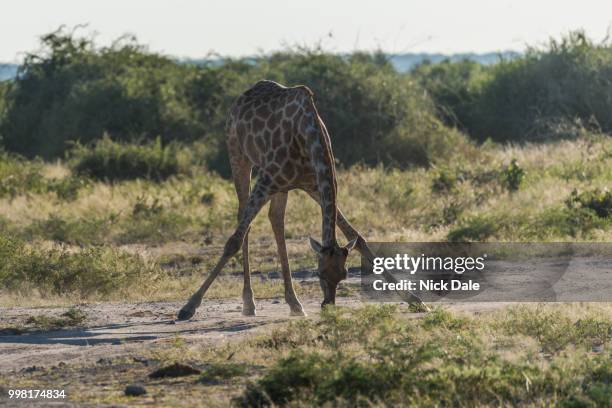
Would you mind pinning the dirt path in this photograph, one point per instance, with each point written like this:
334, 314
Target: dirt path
122, 329
127, 329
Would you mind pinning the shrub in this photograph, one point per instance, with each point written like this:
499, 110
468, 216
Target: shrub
599, 201
373, 114
69, 231
567, 80
549, 93
477, 228
455, 88
152, 222
19, 176
70, 318
512, 176
444, 181
413, 363
91, 271
214, 373
73, 90
115, 161
554, 330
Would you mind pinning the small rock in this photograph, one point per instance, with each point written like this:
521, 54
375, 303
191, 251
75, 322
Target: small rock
273, 275
134, 390
11, 331
141, 360
175, 370
275, 301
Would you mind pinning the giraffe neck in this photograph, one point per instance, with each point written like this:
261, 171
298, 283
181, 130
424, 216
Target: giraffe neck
323, 162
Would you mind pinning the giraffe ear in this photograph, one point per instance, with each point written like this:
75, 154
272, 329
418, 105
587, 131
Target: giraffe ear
315, 245
351, 245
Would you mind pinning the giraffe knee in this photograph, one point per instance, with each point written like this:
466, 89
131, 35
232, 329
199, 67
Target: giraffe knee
232, 245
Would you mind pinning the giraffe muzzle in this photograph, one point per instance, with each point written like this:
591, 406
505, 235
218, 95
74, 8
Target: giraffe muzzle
329, 293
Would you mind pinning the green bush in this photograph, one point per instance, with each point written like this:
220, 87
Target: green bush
373, 113
90, 271
151, 222
477, 228
19, 176
512, 176
548, 93
72, 90
69, 231
75, 91
455, 88
599, 201
554, 331
115, 161
441, 360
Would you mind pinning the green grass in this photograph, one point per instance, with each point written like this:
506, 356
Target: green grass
443, 359
114, 161
71, 318
94, 271
118, 234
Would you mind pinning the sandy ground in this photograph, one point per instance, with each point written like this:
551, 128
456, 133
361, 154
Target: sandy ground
125, 329
116, 329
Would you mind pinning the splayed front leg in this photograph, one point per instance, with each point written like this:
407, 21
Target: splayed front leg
256, 200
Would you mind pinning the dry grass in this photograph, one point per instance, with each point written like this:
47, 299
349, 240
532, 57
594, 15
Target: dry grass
488, 359
181, 224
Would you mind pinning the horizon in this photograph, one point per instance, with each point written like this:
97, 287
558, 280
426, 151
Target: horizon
234, 28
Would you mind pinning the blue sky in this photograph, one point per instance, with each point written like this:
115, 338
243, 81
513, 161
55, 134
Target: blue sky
190, 28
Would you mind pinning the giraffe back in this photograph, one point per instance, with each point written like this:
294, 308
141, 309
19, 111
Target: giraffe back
266, 130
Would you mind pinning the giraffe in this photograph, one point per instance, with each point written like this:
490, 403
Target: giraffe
278, 131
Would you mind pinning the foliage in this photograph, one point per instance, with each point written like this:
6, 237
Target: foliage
442, 359
476, 228
70, 318
456, 89
373, 114
93, 270
115, 161
551, 92
72, 90
19, 176
512, 176
599, 201
555, 331
75, 91
213, 373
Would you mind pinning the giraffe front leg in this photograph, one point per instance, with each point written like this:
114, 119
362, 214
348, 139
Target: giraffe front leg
257, 199
276, 215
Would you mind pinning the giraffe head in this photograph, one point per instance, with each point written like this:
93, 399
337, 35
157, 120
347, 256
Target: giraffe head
332, 267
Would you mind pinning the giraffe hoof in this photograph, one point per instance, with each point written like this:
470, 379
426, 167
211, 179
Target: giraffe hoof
249, 312
185, 314
296, 312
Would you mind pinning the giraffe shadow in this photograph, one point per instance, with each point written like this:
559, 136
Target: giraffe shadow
120, 333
